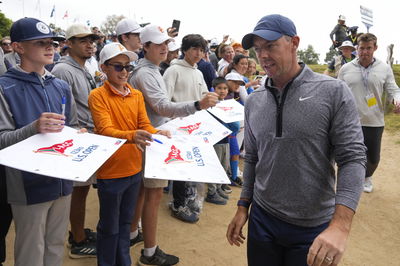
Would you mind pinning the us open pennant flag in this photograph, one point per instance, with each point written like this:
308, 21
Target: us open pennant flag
67, 155
183, 158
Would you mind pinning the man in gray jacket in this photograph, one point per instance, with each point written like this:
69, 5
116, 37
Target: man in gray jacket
297, 124
72, 69
369, 78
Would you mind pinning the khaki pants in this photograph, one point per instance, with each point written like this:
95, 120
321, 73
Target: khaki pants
40, 232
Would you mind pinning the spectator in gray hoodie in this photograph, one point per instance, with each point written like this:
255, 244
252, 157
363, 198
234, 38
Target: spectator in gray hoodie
72, 69
147, 78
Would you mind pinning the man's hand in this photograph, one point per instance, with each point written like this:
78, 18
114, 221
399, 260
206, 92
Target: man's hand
50, 123
328, 247
234, 233
396, 107
172, 32
209, 100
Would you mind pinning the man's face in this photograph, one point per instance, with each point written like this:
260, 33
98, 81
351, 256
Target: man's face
222, 90
157, 53
275, 57
193, 55
81, 47
6, 46
117, 78
132, 40
39, 52
228, 54
365, 51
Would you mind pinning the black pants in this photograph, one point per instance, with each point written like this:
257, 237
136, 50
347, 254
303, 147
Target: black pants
5, 214
273, 242
179, 193
372, 139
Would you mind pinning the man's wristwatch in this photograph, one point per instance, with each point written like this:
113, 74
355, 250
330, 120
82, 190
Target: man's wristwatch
197, 105
244, 203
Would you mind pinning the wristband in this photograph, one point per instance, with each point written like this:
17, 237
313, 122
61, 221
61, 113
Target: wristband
244, 203
197, 105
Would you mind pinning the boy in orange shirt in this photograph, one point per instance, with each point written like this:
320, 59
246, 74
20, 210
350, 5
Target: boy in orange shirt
118, 111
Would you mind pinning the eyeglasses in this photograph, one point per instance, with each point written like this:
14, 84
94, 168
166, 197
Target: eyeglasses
6, 43
119, 68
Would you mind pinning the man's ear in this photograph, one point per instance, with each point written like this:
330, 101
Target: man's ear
296, 41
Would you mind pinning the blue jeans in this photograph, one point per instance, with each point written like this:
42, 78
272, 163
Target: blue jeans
117, 199
272, 242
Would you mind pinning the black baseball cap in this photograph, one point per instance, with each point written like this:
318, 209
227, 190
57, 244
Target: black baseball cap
26, 29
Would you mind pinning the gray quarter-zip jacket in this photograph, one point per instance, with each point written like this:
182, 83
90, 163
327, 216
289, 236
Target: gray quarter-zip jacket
146, 78
292, 144
77, 77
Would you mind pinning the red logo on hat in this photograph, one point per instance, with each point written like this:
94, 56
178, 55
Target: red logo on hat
56, 149
190, 128
174, 156
161, 29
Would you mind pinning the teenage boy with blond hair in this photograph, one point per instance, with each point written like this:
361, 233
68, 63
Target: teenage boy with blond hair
31, 101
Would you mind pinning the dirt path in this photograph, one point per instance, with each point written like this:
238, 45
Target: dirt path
374, 240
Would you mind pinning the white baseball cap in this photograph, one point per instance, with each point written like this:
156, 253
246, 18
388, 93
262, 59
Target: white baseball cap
173, 46
341, 17
154, 34
113, 49
79, 31
234, 77
127, 25
347, 44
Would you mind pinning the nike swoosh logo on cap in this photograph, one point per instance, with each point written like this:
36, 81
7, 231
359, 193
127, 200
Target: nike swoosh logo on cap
305, 98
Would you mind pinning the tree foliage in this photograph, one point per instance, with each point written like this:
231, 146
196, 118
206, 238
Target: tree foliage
330, 55
308, 56
5, 25
108, 26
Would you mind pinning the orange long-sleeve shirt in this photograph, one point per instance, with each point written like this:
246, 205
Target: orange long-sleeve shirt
119, 116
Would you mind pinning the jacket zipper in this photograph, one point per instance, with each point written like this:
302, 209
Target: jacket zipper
49, 110
279, 108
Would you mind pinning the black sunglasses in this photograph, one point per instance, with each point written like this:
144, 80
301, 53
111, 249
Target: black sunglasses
119, 68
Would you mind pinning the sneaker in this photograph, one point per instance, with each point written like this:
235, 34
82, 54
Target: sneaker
368, 185
84, 249
137, 240
158, 258
184, 214
215, 199
237, 182
222, 193
91, 236
225, 188
193, 205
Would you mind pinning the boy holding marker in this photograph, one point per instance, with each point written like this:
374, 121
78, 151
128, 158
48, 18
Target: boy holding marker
33, 101
118, 111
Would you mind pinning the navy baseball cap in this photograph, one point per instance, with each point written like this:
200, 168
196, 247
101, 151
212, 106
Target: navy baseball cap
270, 28
26, 29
